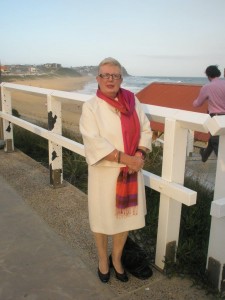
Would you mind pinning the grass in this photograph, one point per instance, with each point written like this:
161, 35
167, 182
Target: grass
74, 165
75, 169
191, 253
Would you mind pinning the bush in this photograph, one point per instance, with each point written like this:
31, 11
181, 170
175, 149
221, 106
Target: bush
15, 113
75, 169
31, 144
74, 165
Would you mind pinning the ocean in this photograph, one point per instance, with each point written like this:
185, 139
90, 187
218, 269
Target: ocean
137, 83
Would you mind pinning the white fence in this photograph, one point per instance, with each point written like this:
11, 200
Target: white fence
173, 194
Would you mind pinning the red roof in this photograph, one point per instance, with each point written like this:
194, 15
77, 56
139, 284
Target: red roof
173, 95
3, 68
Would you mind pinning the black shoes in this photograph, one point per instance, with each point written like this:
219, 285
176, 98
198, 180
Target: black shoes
103, 277
120, 276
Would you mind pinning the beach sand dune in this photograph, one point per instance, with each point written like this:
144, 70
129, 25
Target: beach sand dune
33, 108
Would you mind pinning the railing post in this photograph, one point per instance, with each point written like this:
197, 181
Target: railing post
1, 121
2, 143
55, 151
216, 250
7, 126
173, 168
190, 143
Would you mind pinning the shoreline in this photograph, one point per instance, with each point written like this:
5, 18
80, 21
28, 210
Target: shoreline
33, 108
65, 83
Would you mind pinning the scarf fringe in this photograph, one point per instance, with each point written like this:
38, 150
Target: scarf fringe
127, 212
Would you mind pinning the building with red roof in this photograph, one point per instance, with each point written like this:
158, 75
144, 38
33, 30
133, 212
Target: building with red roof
173, 95
4, 69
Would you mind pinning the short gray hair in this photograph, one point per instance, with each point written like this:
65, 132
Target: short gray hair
110, 61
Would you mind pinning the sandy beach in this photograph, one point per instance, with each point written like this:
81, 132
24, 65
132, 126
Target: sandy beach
57, 83
33, 108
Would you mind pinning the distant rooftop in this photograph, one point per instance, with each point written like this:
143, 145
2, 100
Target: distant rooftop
173, 95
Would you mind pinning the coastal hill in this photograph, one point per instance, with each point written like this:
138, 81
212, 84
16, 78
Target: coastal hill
49, 70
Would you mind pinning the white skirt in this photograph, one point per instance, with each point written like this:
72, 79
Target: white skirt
102, 202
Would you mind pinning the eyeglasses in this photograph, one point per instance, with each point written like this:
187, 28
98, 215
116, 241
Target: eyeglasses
107, 76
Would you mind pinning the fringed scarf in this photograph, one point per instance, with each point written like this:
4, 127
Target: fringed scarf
127, 187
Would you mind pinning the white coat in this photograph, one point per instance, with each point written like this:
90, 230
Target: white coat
100, 127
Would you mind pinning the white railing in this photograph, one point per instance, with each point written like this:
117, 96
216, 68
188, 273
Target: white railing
173, 194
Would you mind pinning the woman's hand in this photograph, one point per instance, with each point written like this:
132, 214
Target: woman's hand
135, 163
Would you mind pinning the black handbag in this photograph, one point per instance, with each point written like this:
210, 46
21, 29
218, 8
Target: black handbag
134, 260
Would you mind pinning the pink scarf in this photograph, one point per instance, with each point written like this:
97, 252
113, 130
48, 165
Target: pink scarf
126, 191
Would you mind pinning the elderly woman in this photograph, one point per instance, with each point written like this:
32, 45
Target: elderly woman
116, 135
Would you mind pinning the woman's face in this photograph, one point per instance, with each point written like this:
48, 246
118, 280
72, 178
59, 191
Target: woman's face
109, 86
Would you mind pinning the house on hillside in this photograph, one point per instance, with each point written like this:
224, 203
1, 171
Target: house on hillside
4, 69
172, 95
52, 66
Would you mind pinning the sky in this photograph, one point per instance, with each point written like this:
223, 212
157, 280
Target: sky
148, 37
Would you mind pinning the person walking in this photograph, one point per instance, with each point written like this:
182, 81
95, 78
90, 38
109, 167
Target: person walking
116, 135
214, 93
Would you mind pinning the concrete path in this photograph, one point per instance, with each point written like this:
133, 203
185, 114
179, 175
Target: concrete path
35, 262
205, 173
